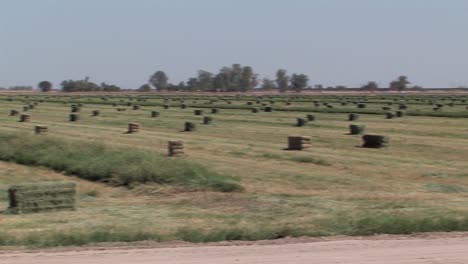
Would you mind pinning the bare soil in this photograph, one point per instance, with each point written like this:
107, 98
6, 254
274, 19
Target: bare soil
428, 248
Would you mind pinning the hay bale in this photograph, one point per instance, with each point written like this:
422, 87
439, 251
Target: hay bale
133, 128
301, 122
390, 115
14, 112
403, 107
356, 129
166, 106
254, 110
215, 111
96, 113
375, 141
198, 112
74, 117
189, 127
269, 109
25, 108
39, 129
353, 117
207, 120
400, 114
362, 106
175, 147
75, 109
298, 143
41, 197
121, 109
25, 118
136, 107
155, 114
183, 106
311, 117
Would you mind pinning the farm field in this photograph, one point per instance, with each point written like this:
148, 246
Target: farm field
419, 183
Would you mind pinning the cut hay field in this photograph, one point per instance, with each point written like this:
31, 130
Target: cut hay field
419, 183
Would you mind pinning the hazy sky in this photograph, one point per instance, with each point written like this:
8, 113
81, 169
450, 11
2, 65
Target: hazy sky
335, 42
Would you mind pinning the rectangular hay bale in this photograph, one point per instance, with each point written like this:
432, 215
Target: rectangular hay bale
41, 197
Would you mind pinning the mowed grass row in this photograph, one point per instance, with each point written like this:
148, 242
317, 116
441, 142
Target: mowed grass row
419, 183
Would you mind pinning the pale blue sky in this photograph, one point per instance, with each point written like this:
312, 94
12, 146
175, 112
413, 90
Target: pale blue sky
335, 42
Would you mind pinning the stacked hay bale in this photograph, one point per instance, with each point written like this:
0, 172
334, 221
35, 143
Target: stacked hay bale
175, 147
39, 129
375, 141
269, 109
298, 143
166, 106
207, 120
25, 118
14, 112
198, 112
75, 108
96, 113
189, 127
356, 129
74, 117
25, 108
215, 111
390, 115
155, 114
353, 117
311, 117
362, 106
133, 128
136, 107
41, 197
301, 122
254, 110
400, 114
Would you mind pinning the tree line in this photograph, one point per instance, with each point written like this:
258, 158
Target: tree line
234, 78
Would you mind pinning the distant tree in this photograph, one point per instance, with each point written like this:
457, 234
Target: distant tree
235, 74
205, 81
400, 84
318, 86
144, 88
370, 86
248, 80
45, 86
79, 86
159, 80
220, 82
192, 84
268, 84
299, 82
109, 87
181, 86
282, 80
20, 88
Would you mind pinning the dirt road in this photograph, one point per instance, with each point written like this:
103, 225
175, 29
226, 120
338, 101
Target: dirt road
445, 249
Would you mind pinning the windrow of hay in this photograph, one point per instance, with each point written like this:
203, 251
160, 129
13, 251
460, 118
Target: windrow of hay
95, 161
